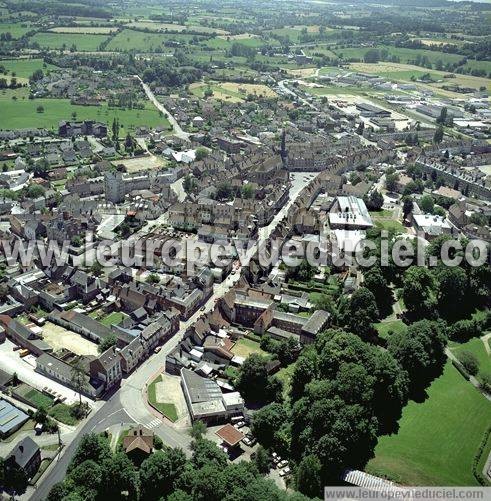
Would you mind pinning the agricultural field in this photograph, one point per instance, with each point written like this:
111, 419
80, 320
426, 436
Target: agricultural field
128, 40
91, 30
82, 42
232, 92
226, 42
22, 112
437, 438
17, 30
24, 68
156, 26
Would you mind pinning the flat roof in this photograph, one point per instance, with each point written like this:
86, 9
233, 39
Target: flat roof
10, 417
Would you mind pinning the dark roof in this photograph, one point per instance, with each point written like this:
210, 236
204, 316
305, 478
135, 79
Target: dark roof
24, 451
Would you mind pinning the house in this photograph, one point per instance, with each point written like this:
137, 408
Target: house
431, 226
349, 213
26, 455
230, 436
316, 323
138, 444
107, 368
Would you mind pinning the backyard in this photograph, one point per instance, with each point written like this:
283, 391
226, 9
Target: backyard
245, 347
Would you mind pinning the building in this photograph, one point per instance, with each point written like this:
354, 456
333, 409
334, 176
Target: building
11, 418
431, 226
85, 128
368, 110
107, 368
205, 399
26, 455
230, 436
349, 213
138, 444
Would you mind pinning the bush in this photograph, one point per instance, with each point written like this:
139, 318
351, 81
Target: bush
485, 382
469, 362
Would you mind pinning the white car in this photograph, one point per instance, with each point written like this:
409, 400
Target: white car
285, 472
283, 463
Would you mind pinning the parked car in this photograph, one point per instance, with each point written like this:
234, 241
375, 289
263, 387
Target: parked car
285, 472
283, 463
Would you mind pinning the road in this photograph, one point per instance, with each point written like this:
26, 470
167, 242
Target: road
129, 404
177, 128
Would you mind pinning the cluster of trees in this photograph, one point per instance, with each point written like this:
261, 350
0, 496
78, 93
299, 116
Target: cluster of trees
97, 473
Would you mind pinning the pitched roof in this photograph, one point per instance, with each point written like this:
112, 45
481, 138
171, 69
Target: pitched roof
230, 435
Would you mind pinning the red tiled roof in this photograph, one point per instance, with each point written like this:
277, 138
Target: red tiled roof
230, 435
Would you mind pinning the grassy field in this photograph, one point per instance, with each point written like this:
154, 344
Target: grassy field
438, 438
128, 40
22, 113
91, 30
385, 328
232, 92
34, 396
476, 347
63, 414
116, 317
167, 409
17, 30
245, 347
82, 42
24, 68
225, 42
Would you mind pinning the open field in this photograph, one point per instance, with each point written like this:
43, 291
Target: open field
165, 395
17, 30
67, 40
245, 347
385, 329
128, 40
24, 68
156, 26
232, 92
476, 347
225, 42
438, 438
22, 113
91, 30
142, 163
59, 337
404, 72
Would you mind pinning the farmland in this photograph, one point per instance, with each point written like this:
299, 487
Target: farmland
232, 92
81, 42
128, 40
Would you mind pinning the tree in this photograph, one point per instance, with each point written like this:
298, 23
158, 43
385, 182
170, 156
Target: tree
115, 132
376, 283
40, 109
452, 291
308, 477
438, 136
420, 351
267, 422
485, 382
372, 56
375, 201
198, 429
427, 204
35, 191
87, 474
254, 383
159, 472
96, 268
120, 476
306, 369
360, 312
207, 452
201, 153
107, 343
261, 460
224, 191
92, 447
391, 180
407, 206
469, 361
188, 184
442, 119
78, 378
152, 278
418, 293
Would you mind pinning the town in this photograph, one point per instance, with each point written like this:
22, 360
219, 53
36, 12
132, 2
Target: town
203, 209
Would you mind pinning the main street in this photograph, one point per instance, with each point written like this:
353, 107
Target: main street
129, 404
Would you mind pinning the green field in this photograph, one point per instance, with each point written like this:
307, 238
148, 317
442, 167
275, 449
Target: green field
245, 347
475, 346
82, 42
24, 68
35, 397
385, 328
116, 317
128, 40
63, 414
226, 43
17, 30
438, 438
21, 113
